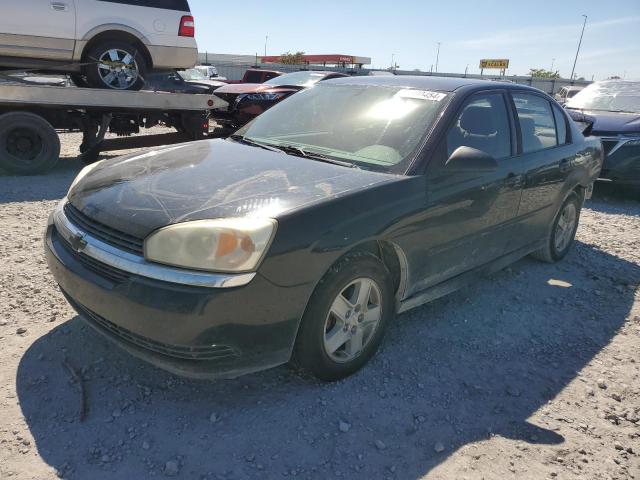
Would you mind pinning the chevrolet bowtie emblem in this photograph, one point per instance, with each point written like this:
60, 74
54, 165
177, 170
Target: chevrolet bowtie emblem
77, 242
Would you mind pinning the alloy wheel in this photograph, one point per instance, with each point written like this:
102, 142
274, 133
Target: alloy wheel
565, 227
352, 320
118, 69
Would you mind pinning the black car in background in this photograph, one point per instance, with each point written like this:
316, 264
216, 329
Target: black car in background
190, 80
300, 237
611, 110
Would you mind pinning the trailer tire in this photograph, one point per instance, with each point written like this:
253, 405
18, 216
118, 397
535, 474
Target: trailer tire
28, 143
106, 78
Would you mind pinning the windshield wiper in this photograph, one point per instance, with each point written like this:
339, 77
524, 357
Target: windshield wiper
248, 141
291, 150
301, 152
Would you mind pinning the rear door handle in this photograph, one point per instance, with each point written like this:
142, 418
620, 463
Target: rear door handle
59, 6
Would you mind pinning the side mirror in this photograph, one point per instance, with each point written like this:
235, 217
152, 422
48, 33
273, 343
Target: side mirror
469, 159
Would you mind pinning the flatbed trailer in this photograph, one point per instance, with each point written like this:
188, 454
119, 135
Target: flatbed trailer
32, 116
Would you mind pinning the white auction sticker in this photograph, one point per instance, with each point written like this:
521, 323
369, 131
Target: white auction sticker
421, 94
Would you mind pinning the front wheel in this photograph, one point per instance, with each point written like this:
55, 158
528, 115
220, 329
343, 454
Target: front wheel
115, 65
346, 318
562, 231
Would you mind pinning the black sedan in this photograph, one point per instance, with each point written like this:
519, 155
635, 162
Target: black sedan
611, 110
301, 237
182, 81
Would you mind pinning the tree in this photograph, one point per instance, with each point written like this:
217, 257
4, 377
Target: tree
542, 73
289, 58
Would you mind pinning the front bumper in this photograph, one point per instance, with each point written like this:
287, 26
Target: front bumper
622, 162
194, 331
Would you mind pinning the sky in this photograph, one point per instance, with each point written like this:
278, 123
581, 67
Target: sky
535, 34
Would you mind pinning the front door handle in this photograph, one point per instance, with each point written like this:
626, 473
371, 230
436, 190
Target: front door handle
565, 165
59, 6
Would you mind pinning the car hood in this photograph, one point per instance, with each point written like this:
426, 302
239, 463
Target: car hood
139, 193
612, 123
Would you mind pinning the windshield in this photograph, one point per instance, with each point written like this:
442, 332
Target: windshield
608, 96
192, 74
302, 79
372, 127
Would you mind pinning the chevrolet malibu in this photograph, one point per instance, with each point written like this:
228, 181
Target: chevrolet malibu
299, 238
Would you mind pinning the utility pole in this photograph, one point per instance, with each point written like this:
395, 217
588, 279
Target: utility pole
553, 60
266, 39
437, 57
393, 62
579, 44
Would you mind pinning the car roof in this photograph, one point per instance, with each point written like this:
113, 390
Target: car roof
427, 82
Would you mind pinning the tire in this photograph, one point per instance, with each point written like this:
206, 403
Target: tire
28, 143
556, 247
116, 78
320, 327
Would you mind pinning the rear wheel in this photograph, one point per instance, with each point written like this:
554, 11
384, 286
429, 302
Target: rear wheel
345, 319
115, 65
28, 143
562, 231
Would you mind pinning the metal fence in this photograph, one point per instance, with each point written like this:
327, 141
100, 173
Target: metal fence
235, 71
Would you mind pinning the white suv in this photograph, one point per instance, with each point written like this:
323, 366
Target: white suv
101, 43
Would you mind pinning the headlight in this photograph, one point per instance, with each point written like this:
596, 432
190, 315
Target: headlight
82, 174
220, 245
263, 96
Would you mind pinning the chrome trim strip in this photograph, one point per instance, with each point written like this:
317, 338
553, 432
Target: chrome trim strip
137, 265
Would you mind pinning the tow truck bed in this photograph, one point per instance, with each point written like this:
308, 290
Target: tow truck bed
31, 116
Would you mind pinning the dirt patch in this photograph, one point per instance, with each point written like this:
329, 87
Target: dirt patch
531, 373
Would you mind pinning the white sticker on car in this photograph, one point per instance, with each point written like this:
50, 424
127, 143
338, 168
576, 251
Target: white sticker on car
421, 94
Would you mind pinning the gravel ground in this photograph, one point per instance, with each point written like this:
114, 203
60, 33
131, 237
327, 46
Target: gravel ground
531, 373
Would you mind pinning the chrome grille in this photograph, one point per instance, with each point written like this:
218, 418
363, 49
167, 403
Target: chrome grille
106, 234
114, 274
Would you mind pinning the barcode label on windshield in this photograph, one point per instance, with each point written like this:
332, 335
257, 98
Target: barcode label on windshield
421, 94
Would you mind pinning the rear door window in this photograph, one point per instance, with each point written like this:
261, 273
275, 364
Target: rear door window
561, 125
179, 5
537, 125
482, 124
